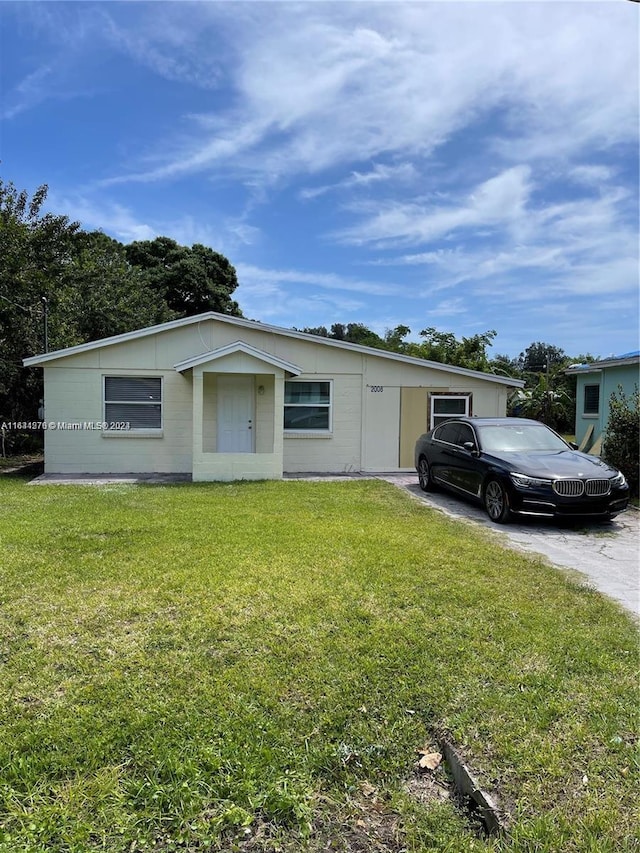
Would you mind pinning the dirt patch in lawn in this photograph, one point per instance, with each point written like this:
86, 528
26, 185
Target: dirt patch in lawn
365, 825
29, 465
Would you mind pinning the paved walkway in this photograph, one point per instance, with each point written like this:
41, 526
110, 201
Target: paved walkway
607, 553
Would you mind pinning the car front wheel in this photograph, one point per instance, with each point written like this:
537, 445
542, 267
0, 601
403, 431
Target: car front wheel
496, 502
424, 475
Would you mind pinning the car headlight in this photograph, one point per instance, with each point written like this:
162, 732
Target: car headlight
523, 481
619, 481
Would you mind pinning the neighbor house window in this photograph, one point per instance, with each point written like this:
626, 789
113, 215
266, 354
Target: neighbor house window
307, 406
591, 399
446, 406
136, 400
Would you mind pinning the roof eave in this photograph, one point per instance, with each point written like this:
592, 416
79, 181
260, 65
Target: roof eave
599, 366
37, 360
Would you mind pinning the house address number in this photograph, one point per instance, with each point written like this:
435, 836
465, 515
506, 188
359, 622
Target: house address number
376, 389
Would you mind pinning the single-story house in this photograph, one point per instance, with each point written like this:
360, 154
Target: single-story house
223, 398
595, 383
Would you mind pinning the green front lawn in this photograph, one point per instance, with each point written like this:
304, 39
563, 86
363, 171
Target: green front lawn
253, 667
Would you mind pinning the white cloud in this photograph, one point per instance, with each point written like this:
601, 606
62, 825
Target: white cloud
121, 222
500, 200
448, 308
490, 139
29, 92
167, 44
402, 173
273, 296
317, 87
113, 218
263, 277
591, 174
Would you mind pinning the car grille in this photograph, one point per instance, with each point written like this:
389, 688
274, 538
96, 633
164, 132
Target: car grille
575, 488
598, 488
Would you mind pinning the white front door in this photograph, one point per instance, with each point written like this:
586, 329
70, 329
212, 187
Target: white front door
235, 414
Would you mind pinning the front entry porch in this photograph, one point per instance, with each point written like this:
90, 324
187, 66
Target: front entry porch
238, 406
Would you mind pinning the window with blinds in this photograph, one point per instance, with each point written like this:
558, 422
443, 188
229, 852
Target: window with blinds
136, 400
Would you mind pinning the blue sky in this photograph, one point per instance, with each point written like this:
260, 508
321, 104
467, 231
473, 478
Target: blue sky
463, 165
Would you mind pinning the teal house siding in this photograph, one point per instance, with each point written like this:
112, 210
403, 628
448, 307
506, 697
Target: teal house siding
595, 383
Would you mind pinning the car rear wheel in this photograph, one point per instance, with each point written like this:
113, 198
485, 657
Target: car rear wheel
424, 475
496, 502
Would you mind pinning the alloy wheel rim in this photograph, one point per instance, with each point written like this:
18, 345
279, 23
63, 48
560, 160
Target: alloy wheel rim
495, 500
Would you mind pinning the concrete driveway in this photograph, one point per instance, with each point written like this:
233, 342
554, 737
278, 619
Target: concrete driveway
606, 553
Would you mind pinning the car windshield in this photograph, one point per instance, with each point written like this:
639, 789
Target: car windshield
519, 438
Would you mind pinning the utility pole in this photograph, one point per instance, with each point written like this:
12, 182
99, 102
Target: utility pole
547, 397
45, 304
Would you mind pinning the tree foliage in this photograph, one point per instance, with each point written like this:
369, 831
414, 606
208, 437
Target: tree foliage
85, 286
549, 402
540, 357
188, 280
438, 346
621, 445
352, 333
549, 394
101, 294
467, 352
35, 251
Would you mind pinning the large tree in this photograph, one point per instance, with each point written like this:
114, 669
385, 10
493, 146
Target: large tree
189, 280
541, 357
549, 394
35, 251
101, 294
353, 333
61, 286
446, 348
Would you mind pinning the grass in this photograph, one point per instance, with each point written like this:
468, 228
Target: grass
253, 667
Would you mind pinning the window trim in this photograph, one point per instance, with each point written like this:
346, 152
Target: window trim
590, 414
133, 432
324, 432
467, 396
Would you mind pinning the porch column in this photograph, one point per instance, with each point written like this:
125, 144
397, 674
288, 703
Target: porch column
197, 420
278, 418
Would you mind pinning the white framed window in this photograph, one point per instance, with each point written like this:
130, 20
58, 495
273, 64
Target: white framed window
444, 407
307, 405
133, 400
591, 401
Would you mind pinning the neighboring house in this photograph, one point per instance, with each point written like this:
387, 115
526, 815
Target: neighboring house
223, 398
596, 382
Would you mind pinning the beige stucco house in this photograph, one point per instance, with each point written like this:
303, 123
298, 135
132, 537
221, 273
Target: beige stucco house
223, 398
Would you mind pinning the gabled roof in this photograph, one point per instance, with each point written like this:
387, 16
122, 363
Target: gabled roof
276, 330
230, 349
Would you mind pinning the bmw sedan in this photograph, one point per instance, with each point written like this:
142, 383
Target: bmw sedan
518, 466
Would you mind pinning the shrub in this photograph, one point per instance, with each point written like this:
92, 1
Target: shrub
621, 446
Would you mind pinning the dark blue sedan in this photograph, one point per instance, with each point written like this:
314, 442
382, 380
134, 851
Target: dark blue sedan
518, 466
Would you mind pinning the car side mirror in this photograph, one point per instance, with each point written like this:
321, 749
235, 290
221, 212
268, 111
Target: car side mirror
471, 447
